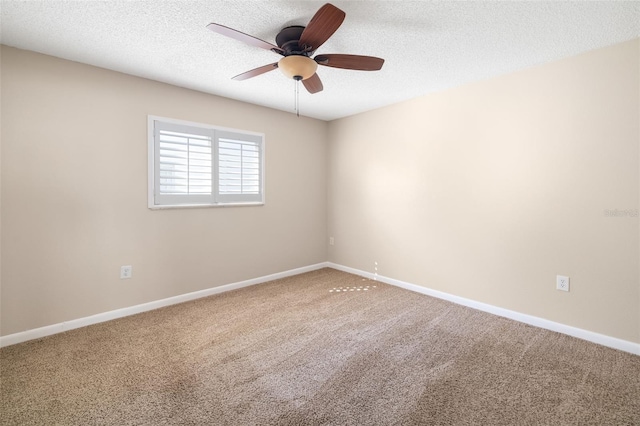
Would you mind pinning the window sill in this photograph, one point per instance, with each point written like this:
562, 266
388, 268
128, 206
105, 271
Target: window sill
201, 206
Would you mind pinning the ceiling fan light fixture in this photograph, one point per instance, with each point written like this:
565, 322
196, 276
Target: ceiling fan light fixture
297, 67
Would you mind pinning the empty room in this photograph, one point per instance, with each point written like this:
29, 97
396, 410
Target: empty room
308, 213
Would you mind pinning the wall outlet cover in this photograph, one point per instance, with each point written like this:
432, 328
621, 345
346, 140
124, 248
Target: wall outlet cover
562, 283
126, 272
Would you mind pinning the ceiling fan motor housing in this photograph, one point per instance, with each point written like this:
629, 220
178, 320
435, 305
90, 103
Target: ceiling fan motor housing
296, 63
287, 39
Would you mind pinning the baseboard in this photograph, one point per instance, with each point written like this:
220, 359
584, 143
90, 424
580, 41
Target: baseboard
36, 333
590, 336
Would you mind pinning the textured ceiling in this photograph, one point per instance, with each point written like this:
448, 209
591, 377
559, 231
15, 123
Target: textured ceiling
428, 46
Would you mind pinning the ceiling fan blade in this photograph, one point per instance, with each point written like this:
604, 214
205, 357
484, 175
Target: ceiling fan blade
246, 38
350, 62
323, 24
313, 84
256, 72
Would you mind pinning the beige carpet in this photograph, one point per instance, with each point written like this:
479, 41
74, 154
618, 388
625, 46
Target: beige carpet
298, 352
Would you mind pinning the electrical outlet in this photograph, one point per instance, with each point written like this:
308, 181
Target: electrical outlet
562, 283
330, 241
126, 272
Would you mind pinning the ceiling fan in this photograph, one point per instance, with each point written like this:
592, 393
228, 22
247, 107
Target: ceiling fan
297, 44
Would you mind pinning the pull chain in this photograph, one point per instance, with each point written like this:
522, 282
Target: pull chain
297, 95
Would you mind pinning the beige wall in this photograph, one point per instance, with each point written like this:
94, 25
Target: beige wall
486, 191
490, 190
74, 195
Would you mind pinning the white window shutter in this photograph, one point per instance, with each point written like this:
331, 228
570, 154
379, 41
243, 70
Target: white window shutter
195, 164
184, 164
239, 167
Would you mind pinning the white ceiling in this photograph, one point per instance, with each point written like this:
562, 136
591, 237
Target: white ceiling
428, 45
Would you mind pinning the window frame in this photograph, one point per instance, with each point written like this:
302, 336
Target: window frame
215, 199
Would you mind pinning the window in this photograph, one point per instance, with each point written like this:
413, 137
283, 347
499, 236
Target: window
194, 164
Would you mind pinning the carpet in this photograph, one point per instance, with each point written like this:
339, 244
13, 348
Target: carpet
320, 348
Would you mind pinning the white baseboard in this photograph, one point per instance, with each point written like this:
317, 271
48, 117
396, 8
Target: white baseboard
36, 333
590, 336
